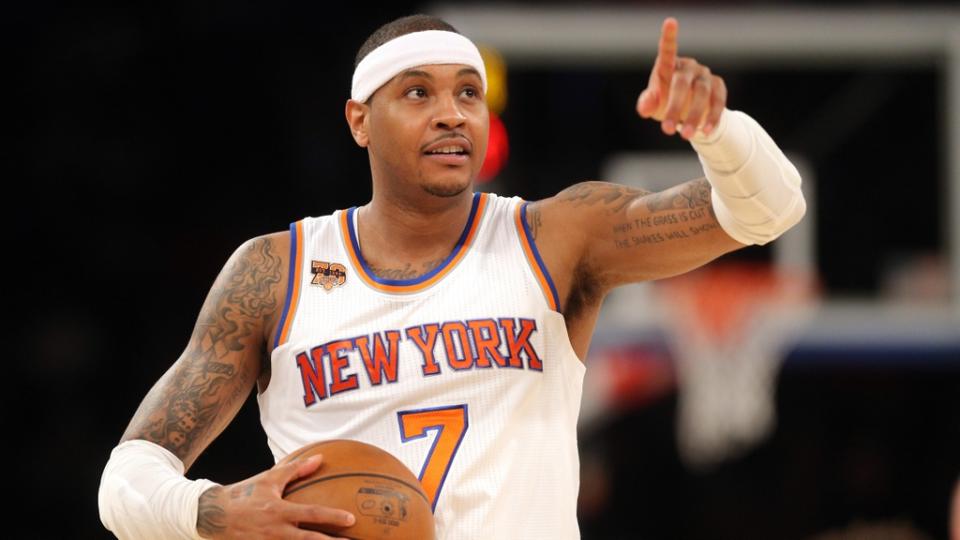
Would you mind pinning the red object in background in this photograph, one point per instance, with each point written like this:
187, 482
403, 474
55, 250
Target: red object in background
640, 375
497, 150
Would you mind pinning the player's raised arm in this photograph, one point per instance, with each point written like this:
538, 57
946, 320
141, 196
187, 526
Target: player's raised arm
751, 193
143, 493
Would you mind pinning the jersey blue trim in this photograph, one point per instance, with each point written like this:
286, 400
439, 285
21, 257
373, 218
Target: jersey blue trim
290, 283
417, 280
536, 255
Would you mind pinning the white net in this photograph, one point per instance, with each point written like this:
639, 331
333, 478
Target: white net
728, 325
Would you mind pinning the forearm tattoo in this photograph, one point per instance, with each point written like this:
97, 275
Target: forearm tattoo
185, 407
210, 515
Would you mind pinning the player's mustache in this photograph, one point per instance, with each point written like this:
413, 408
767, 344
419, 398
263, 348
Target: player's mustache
451, 135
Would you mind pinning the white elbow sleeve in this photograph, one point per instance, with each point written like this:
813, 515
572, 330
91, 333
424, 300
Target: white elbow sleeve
756, 190
144, 495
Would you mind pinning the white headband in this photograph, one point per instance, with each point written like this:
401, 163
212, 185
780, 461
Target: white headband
411, 50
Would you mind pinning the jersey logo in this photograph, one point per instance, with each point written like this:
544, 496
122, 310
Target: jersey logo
328, 275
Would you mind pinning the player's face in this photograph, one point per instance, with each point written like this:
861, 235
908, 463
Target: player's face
428, 126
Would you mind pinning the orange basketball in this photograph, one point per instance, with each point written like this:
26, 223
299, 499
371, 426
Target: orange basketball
369, 482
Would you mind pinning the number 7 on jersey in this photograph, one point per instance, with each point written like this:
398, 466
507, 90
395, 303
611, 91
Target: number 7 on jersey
450, 423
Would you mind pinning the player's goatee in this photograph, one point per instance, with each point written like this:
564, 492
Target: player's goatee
451, 190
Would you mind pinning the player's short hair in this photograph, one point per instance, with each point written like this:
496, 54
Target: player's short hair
401, 27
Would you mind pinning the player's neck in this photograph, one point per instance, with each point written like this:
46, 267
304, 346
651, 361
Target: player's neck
393, 232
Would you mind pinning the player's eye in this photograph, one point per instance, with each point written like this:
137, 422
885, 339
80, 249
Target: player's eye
470, 92
416, 92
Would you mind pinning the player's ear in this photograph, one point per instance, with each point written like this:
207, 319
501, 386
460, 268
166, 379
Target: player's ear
356, 113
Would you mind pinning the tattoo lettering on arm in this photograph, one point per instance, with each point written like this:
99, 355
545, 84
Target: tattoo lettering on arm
678, 213
611, 235
198, 397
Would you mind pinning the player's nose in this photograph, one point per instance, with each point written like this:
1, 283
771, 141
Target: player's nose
448, 115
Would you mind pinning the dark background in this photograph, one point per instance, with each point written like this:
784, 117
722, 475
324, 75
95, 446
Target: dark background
150, 141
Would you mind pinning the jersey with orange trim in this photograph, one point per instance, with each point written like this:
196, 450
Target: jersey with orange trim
466, 374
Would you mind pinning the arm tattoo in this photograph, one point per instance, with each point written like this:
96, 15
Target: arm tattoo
678, 213
692, 194
186, 406
210, 514
533, 220
615, 196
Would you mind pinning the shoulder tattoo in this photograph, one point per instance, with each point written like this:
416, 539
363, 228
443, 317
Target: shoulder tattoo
185, 406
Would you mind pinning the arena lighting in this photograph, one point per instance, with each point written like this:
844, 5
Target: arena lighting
497, 150
496, 79
497, 143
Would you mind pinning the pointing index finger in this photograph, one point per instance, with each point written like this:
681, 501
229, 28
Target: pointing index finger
667, 49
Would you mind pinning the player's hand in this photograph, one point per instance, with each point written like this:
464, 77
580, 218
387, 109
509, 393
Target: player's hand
254, 508
682, 94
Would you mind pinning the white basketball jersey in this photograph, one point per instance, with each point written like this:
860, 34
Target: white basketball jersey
466, 374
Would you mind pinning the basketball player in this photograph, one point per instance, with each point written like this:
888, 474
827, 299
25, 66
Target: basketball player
446, 326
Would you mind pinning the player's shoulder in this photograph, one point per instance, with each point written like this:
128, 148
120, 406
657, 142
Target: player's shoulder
262, 259
273, 246
260, 273
277, 239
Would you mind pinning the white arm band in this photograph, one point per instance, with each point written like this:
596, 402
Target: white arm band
756, 190
144, 495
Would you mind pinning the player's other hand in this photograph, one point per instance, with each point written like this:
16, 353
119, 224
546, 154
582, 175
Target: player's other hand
255, 508
683, 95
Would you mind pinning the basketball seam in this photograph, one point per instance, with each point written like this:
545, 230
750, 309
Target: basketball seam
325, 478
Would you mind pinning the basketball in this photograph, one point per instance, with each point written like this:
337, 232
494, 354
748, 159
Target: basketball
369, 482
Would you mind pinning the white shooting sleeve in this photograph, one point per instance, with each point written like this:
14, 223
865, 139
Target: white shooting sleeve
144, 495
756, 190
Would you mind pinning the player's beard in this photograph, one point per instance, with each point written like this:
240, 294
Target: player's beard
445, 190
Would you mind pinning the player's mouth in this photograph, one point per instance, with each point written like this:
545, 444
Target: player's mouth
449, 151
